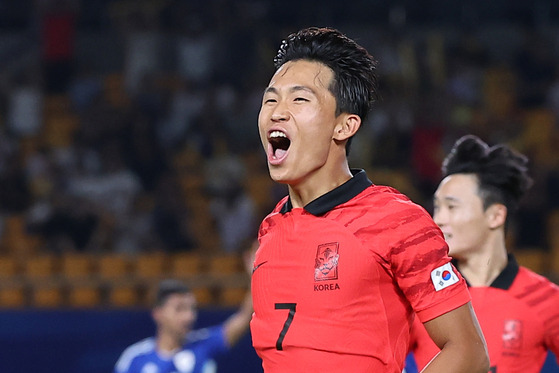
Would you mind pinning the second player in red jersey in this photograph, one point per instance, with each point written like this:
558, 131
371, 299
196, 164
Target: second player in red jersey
518, 309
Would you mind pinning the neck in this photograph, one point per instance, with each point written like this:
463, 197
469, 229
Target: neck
167, 344
321, 183
484, 266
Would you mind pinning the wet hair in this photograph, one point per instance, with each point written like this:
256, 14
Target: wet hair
355, 82
167, 288
502, 172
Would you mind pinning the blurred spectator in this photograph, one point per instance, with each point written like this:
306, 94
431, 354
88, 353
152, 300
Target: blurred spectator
231, 206
144, 156
142, 48
84, 88
535, 68
114, 188
195, 50
188, 77
58, 33
66, 223
171, 218
552, 99
15, 196
187, 103
134, 233
25, 106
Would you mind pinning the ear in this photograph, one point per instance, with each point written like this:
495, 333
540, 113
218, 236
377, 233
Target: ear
347, 126
496, 215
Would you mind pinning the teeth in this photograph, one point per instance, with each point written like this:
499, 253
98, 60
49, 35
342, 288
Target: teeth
275, 134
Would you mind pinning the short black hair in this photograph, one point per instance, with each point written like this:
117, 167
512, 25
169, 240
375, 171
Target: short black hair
355, 82
169, 287
502, 172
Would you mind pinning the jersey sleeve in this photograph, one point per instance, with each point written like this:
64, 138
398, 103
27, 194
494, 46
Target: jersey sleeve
211, 340
422, 267
551, 319
125, 363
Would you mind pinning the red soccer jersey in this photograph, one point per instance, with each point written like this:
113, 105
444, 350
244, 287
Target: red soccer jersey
335, 285
519, 317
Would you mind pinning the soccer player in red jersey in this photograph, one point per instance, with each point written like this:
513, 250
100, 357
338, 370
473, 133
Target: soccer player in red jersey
518, 310
343, 264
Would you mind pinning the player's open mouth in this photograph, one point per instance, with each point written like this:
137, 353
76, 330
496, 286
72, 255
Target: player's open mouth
279, 145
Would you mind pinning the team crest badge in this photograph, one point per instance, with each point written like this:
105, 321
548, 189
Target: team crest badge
512, 334
326, 262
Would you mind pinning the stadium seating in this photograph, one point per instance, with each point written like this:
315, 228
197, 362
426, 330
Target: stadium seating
13, 295
84, 295
77, 266
124, 295
9, 267
47, 295
150, 266
41, 267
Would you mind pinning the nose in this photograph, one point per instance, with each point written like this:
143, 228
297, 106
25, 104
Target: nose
439, 217
280, 113
189, 316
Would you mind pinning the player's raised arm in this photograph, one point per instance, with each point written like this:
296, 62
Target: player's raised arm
238, 323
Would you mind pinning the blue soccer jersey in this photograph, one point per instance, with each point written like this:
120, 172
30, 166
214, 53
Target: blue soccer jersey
196, 355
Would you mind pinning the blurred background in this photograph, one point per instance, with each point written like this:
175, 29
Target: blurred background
129, 150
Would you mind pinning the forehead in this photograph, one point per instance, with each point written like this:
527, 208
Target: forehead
303, 73
174, 300
458, 186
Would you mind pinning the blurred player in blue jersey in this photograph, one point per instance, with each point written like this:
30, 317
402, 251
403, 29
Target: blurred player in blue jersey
176, 347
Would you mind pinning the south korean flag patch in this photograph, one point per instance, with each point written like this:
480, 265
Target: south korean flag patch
443, 277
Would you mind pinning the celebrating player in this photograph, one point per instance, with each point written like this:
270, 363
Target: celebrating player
518, 310
343, 264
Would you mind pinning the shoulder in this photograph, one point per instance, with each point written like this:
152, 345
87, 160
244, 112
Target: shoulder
535, 288
134, 351
203, 334
391, 209
381, 195
530, 278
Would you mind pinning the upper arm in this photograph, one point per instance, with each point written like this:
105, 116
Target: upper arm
458, 335
238, 323
457, 326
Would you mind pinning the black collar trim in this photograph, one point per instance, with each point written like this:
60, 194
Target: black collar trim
506, 277
345, 192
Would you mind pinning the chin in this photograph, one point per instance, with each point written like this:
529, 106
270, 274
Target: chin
278, 177
456, 254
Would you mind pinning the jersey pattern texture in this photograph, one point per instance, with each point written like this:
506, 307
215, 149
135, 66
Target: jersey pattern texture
336, 284
519, 317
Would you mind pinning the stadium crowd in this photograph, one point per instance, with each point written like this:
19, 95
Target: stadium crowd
131, 126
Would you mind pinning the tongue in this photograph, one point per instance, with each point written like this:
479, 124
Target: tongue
279, 153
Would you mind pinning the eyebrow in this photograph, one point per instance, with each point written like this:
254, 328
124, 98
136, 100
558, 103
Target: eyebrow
291, 89
447, 198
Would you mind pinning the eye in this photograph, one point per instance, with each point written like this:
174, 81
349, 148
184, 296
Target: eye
301, 99
269, 100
